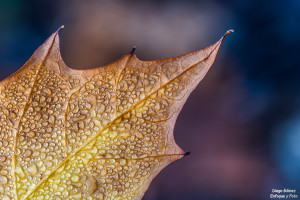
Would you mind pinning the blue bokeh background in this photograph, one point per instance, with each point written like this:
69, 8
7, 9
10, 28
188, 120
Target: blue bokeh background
242, 123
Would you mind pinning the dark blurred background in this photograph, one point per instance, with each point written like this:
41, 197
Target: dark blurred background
242, 123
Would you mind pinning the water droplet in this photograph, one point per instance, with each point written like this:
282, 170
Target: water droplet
32, 170
3, 180
27, 153
5, 197
122, 162
30, 134
75, 178
2, 159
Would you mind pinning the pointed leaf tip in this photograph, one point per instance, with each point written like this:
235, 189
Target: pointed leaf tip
227, 32
62, 26
230, 31
133, 49
187, 153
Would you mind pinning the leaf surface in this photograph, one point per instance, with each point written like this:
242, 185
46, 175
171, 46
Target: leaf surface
102, 133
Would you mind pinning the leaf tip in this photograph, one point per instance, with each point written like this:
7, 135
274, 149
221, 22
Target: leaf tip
228, 32
62, 26
187, 153
133, 49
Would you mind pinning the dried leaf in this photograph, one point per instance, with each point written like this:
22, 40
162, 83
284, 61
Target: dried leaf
103, 133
